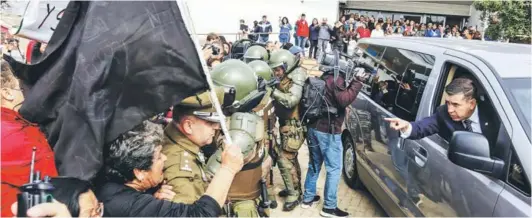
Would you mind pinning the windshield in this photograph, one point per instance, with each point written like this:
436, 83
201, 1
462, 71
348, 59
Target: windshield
520, 95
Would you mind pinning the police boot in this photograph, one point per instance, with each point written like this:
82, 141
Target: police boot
271, 197
283, 193
289, 206
273, 204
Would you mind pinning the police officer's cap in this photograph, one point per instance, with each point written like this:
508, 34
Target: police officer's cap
201, 106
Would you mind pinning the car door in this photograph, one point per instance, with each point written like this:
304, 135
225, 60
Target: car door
379, 147
439, 187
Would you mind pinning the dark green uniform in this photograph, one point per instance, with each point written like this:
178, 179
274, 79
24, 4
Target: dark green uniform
287, 96
185, 168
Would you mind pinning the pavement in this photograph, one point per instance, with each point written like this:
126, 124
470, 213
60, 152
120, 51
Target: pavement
358, 203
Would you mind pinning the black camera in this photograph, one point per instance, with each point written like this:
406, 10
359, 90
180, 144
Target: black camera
35, 192
330, 63
215, 50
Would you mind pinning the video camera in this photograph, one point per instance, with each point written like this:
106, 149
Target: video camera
347, 67
35, 192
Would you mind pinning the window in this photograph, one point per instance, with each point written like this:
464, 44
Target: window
520, 92
407, 74
400, 79
516, 175
435, 19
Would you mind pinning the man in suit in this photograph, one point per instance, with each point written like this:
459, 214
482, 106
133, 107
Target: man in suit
460, 113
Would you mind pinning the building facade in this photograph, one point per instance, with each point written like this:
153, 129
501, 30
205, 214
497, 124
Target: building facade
439, 12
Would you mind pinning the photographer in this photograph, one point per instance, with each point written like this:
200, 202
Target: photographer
213, 50
325, 144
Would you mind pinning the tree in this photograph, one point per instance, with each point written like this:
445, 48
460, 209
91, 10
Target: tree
509, 20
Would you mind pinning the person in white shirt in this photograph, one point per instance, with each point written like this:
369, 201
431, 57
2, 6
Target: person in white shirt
377, 32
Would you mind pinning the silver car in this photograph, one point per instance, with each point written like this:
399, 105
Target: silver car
473, 174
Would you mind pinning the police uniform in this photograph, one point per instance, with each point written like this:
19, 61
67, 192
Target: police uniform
184, 168
287, 96
246, 129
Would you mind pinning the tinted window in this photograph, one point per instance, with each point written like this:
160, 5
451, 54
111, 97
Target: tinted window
516, 176
520, 92
400, 80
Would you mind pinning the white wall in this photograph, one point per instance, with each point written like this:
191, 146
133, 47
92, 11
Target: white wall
222, 16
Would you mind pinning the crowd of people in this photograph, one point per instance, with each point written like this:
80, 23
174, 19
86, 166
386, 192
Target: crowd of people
177, 163
318, 34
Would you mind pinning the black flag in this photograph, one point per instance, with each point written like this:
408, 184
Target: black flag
108, 67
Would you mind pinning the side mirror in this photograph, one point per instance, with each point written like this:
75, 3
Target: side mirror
472, 151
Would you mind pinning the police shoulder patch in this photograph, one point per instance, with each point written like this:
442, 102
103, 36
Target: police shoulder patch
186, 161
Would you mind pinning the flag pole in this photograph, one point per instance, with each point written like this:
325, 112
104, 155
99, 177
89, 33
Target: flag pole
187, 19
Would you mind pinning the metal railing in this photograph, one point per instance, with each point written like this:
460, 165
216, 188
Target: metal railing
274, 36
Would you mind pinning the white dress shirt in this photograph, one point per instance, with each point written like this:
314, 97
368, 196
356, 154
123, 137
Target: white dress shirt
475, 125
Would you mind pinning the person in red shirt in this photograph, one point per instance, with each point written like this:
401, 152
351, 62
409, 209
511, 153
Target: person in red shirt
19, 136
302, 32
363, 32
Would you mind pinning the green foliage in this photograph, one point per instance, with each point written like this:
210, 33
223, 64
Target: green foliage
513, 19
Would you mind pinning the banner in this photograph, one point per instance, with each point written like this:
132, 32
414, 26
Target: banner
40, 20
109, 66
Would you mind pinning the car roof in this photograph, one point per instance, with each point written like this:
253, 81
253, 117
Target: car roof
509, 60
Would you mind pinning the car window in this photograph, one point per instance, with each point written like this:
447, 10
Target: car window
516, 176
520, 92
400, 80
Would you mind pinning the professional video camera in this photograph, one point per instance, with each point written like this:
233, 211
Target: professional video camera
35, 192
331, 63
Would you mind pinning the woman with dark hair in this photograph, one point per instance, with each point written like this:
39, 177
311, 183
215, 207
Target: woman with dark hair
284, 33
226, 46
314, 32
134, 166
339, 37
78, 196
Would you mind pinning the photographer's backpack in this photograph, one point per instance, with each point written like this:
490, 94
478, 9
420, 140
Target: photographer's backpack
314, 103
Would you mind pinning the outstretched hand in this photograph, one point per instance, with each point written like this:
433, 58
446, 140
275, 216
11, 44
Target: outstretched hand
398, 124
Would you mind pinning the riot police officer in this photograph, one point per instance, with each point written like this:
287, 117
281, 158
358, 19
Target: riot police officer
265, 109
287, 95
247, 131
256, 52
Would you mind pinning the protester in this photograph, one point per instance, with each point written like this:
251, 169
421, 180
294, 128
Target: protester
265, 29
324, 36
377, 32
421, 31
244, 29
254, 32
314, 33
397, 33
134, 166
54, 209
363, 32
19, 137
78, 196
338, 39
285, 27
302, 32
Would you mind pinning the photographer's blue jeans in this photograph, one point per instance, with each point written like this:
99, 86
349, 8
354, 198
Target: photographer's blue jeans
324, 147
